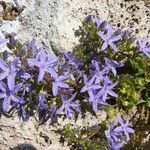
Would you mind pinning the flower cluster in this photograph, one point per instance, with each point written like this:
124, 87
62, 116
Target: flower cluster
64, 80
117, 136
37, 82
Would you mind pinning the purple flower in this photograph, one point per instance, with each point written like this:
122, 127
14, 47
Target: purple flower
42, 107
8, 71
88, 19
22, 113
143, 47
31, 46
68, 105
44, 62
98, 74
99, 22
112, 65
115, 134
23, 74
109, 38
72, 60
107, 89
58, 83
12, 40
26, 89
26, 75
53, 115
117, 146
8, 94
5, 55
89, 85
3, 40
96, 100
124, 127
111, 135
42, 101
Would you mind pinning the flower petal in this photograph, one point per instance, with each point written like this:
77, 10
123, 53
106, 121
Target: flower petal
54, 89
41, 75
104, 46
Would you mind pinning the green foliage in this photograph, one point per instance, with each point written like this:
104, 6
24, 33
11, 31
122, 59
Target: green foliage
89, 42
134, 83
86, 138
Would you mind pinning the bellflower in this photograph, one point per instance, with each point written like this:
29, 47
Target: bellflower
89, 85
26, 89
68, 105
42, 102
113, 140
143, 47
73, 60
96, 100
98, 74
109, 39
124, 127
115, 134
8, 94
111, 135
107, 89
112, 65
9, 72
44, 62
58, 83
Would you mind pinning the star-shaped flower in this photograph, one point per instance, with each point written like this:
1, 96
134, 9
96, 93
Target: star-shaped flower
9, 71
89, 84
42, 107
107, 89
111, 135
112, 65
98, 73
109, 38
124, 127
96, 100
68, 106
44, 62
8, 94
143, 46
58, 83
71, 59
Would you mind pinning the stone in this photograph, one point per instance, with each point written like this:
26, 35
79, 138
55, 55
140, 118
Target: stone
54, 22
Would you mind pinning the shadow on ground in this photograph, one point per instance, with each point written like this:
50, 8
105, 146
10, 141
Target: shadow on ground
24, 147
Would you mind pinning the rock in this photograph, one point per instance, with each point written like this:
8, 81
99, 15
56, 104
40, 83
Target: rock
54, 22
15, 134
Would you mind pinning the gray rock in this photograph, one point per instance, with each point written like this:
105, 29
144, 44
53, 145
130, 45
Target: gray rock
54, 21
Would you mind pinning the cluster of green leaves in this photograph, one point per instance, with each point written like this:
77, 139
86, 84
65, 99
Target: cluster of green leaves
134, 81
86, 138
